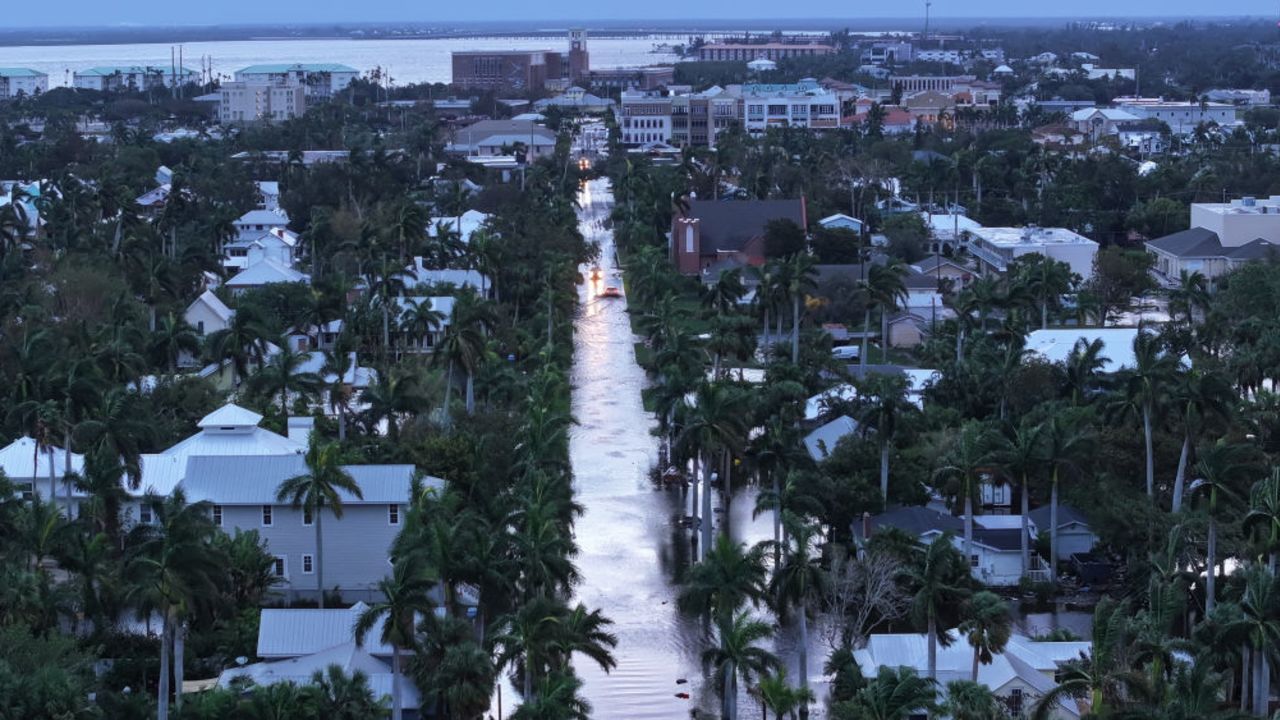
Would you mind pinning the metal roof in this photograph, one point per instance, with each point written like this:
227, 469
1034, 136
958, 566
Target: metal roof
264, 273
263, 217
276, 68
821, 442
230, 415
294, 632
105, 70
20, 461
21, 72
254, 480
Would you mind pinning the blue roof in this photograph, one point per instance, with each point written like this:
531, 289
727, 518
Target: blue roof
298, 67
132, 70
21, 72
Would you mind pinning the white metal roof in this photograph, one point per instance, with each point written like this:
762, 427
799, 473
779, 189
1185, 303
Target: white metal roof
448, 276
822, 441
1055, 345
472, 220
295, 632
265, 272
20, 460
816, 405
264, 217
214, 303
254, 480
230, 415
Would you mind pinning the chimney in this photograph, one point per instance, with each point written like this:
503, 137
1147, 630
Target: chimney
300, 429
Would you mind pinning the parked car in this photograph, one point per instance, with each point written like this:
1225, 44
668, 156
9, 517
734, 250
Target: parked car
611, 291
846, 352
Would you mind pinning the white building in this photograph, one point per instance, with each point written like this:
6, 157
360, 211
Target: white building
1100, 122
268, 194
319, 80
1093, 72
245, 102
1240, 96
950, 230
465, 225
1020, 676
955, 57
1241, 221
18, 82
996, 247
805, 104
1182, 117
132, 77
644, 117
256, 222
261, 270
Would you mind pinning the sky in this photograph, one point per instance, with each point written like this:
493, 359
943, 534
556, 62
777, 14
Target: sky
82, 13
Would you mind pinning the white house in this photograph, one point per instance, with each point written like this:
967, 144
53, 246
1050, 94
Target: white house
268, 194
842, 222
207, 314
267, 271
423, 342
822, 441
1098, 123
321, 80
20, 82
256, 222
1074, 534
279, 244
1181, 116
1020, 676
424, 277
464, 226
1055, 345
40, 471
949, 230
996, 247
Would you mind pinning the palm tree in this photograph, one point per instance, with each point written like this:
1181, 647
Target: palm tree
798, 579
729, 575
938, 580
387, 281
1200, 396
722, 296
776, 694
1019, 451
345, 697
464, 343
716, 423
392, 396
172, 337
1083, 367
895, 694
884, 403
404, 598
1263, 519
972, 701
968, 460
988, 626
529, 635
1105, 675
242, 342
173, 568
283, 374
419, 319
1141, 389
1064, 443
799, 271
1047, 280
116, 427
1260, 624
737, 657
885, 290
322, 486
1189, 295
1220, 468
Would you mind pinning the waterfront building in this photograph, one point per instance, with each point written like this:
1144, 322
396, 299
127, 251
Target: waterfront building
111, 78
252, 102
746, 52
319, 80
16, 82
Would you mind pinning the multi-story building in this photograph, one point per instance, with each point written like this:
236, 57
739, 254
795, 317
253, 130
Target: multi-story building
967, 89
524, 69
805, 104
954, 57
250, 102
132, 77
996, 247
632, 78
16, 82
885, 52
1182, 117
1239, 96
320, 80
745, 52
698, 119
646, 117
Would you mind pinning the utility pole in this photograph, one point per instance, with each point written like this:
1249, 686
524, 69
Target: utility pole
927, 4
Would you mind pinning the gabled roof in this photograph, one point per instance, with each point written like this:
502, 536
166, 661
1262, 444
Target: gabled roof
20, 461
1258, 249
20, 72
815, 406
1192, 242
295, 632
911, 519
263, 217
449, 276
277, 68
1112, 114
266, 272
1066, 516
253, 480
214, 303
822, 442
728, 225
1055, 345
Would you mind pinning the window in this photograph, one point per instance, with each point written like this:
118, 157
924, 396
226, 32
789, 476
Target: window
144, 514
308, 566
306, 517
973, 561
266, 516
280, 568
1015, 700
217, 515
393, 514
200, 326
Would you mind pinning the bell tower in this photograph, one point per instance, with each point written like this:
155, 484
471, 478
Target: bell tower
579, 59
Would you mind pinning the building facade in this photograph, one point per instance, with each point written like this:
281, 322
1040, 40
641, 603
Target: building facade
132, 77
745, 52
646, 117
17, 82
251, 102
524, 69
803, 105
319, 80
996, 247
1181, 117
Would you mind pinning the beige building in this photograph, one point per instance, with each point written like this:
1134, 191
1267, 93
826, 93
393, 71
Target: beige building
245, 102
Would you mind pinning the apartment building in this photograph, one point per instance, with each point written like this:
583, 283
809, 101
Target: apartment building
746, 52
698, 119
253, 102
16, 82
805, 104
320, 80
887, 53
1182, 117
646, 117
954, 57
111, 78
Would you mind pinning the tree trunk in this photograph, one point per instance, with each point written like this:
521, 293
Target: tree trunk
764, 336
695, 480
1053, 529
448, 391
179, 664
162, 695
959, 342
386, 328
1211, 571
1262, 684
795, 329
319, 515
974, 673
968, 527
933, 646
53, 484
777, 518
342, 424
1026, 529
1044, 314
884, 334
66, 456
1182, 471
1247, 668
884, 471
866, 332
471, 393
1151, 467
397, 711
706, 505
804, 651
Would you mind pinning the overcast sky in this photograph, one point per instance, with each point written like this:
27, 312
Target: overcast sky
81, 13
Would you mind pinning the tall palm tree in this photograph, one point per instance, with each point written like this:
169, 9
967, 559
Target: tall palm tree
1260, 624
883, 404
1083, 367
404, 598
1200, 396
241, 343
798, 580
464, 343
886, 290
722, 296
715, 424
1263, 519
800, 272
988, 625
173, 568
1191, 294
1105, 675
172, 337
1220, 468
284, 373
728, 576
386, 281
938, 581
393, 396
1141, 388
1064, 443
321, 486
116, 427
1019, 451
776, 694
967, 461
419, 319
737, 657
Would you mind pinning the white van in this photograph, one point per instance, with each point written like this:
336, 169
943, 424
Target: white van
846, 352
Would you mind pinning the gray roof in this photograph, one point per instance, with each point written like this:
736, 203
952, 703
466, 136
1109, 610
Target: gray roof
1066, 515
913, 520
503, 132
1193, 242
822, 441
253, 480
731, 224
920, 281
1256, 250
999, 538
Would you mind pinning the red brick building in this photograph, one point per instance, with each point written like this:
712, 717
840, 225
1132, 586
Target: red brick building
709, 231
